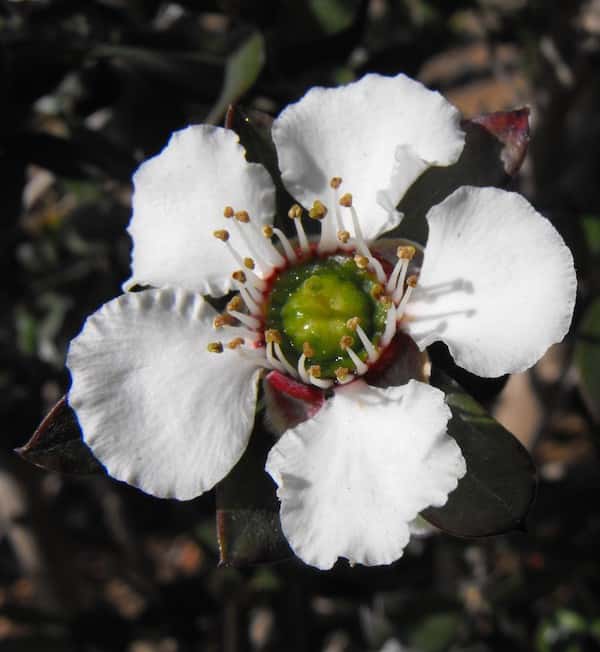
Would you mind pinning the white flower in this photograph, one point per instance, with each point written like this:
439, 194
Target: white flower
497, 285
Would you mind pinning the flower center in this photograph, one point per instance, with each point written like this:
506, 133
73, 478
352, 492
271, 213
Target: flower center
321, 312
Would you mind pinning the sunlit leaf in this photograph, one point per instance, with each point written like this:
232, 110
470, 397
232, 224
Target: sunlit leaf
499, 488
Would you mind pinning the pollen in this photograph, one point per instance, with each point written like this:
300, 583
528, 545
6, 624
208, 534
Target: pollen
295, 212
318, 210
221, 234
343, 236
272, 335
352, 323
335, 182
228, 212
235, 343
307, 350
362, 262
314, 371
346, 341
242, 216
239, 276
346, 200
215, 347
406, 253
249, 263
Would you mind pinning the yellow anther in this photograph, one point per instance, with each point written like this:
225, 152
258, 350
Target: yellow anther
362, 262
242, 216
236, 303
352, 323
295, 212
346, 341
335, 182
411, 281
318, 210
249, 263
314, 371
308, 350
346, 200
341, 373
215, 347
239, 276
386, 300
406, 252
267, 231
228, 212
343, 236
235, 343
222, 320
377, 290
221, 234
273, 335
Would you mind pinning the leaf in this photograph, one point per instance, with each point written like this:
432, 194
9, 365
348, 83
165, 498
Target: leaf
495, 146
57, 444
255, 136
499, 488
587, 357
241, 71
248, 526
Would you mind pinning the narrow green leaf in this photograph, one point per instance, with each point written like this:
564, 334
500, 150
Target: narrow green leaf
499, 488
57, 444
241, 71
587, 357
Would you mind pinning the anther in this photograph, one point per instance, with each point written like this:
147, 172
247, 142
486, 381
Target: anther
267, 231
343, 375
315, 370
343, 236
346, 341
222, 320
221, 234
235, 343
352, 323
307, 350
377, 291
215, 347
395, 284
346, 200
228, 212
249, 263
314, 373
318, 210
295, 212
335, 182
411, 283
242, 216
372, 353
362, 262
406, 252
239, 276
390, 325
272, 335
236, 303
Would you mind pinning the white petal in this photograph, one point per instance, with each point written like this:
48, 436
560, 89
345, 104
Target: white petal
178, 202
353, 478
379, 134
497, 284
156, 408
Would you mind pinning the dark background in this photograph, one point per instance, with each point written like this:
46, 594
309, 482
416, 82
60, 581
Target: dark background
89, 89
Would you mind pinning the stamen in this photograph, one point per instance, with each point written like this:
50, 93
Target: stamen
361, 367
238, 276
267, 232
395, 284
343, 236
222, 320
247, 320
335, 183
242, 224
390, 326
228, 212
275, 364
236, 303
343, 375
411, 283
249, 263
307, 350
215, 347
273, 340
327, 243
302, 369
287, 246
372, 353
295, 213
346, 341
362, 262
289, 368
223, 235
314, 372
318, 210
253, 307
377, 291
235, 343
242, 216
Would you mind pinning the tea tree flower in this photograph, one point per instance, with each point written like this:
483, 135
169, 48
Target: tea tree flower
165, 387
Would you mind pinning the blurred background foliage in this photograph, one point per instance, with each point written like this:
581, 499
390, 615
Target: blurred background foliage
90, 89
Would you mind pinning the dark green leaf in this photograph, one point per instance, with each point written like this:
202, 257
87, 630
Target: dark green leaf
241, 71
495, 146
248, 527
499, 488
587, 357
57, 444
